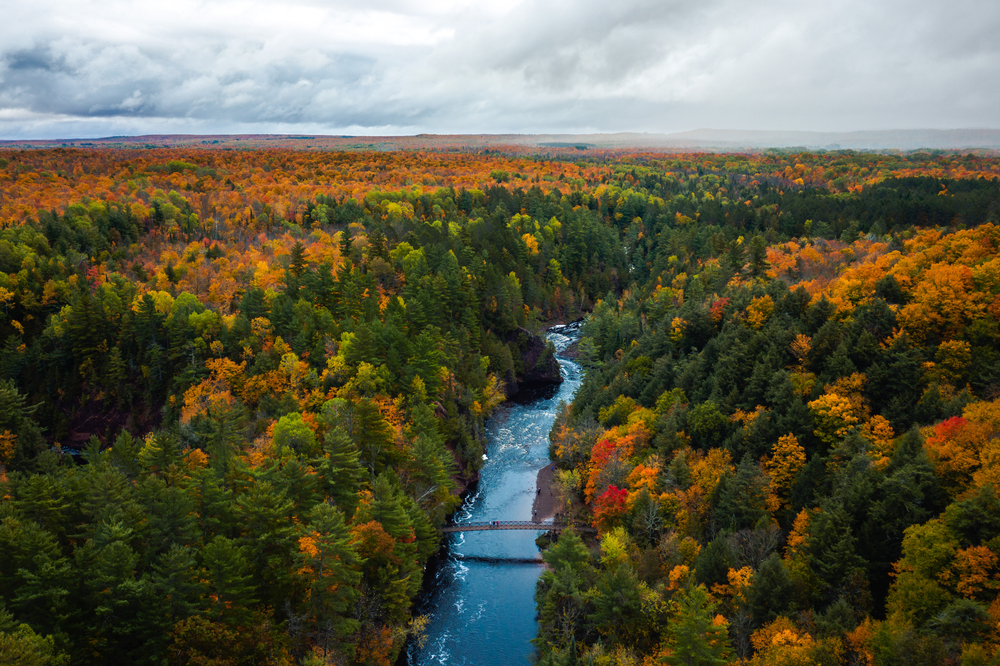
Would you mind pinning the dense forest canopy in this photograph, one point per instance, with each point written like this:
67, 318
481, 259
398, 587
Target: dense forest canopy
240, 392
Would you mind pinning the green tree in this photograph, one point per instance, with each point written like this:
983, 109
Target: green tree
114, 595
267, 520
212, 503
16, 417
706, 424
230, 585
758, 257
176, 584
398, 577
169, 513
296, 270
291, 432
342, 470
23, 647
714, 561
617, 605
832, 547
328, 565
560, 591
695, 639
741, 497
772, 592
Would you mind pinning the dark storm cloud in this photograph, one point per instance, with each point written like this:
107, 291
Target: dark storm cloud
398, 66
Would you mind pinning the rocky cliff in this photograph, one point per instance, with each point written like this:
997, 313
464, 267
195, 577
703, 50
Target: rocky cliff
534, 360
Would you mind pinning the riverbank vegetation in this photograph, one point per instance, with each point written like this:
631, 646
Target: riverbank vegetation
240, 391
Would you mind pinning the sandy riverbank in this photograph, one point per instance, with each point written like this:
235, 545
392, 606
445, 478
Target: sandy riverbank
544, 507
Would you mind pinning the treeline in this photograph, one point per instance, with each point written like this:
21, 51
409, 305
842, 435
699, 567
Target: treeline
788, 445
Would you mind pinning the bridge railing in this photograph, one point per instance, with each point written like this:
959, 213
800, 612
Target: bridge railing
489, 525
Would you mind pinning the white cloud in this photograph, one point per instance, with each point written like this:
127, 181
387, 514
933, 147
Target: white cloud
397, 66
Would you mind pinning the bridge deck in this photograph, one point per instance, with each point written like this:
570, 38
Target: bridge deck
492, 525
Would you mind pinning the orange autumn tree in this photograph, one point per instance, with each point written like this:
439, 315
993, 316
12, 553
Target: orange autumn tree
954, 447
943, 303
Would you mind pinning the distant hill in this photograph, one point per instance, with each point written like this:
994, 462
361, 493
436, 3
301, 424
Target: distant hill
726, 139
700, 139
872, 139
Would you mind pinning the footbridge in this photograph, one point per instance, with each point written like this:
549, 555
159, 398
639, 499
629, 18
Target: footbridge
491, 525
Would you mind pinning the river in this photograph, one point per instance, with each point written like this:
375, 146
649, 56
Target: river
479, 593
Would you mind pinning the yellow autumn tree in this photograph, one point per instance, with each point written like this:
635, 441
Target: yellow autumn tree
645, 475
840, 408
801, 346
786, 459
943, 301
708, 470
797, 547
879, 432
759, 311
8, 444
986, 414
976, 574
677, 329
781, 636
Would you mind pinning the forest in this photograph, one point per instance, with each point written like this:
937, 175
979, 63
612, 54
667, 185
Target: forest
242, 390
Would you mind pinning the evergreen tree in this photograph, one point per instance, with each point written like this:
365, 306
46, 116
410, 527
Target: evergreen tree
618, 615
772, 593
176, 582
342, 470
696, 640
757, 257
831, 546
230, 584
327, 563
560, 592
295, 273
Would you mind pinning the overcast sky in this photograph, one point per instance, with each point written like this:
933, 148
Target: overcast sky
92, 68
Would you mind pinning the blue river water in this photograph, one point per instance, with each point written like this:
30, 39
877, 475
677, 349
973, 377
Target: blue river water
482, 610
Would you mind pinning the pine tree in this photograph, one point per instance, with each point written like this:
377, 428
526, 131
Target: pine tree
831, 545
327, 563
117, 379
758, 257
230, 585
266, 516
772, 591
346, 246
170, 515
560, 591
376, 244
176, 584
698, 639
296, 270
342, 470
211, 500
617, 605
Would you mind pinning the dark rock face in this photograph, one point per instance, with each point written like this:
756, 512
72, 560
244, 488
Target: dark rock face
536, 361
